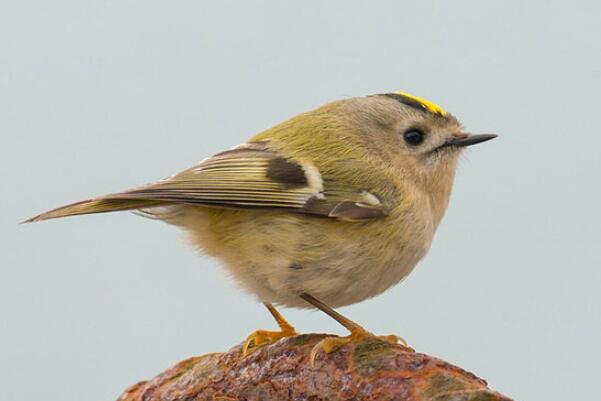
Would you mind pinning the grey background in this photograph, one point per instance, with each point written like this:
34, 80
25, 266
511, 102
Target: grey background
100, 96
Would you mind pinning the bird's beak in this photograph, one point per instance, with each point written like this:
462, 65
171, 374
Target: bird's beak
469, 139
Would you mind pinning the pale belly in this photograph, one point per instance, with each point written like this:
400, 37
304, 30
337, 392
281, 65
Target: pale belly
277, 256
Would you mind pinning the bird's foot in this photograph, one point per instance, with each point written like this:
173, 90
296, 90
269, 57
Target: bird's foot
331, 344
261, 337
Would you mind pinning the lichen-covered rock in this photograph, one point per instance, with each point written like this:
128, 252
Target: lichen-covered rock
370, 369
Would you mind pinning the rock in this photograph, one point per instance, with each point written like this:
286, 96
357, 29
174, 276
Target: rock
370, 369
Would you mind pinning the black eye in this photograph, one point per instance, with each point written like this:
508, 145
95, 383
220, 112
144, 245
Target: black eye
413, 136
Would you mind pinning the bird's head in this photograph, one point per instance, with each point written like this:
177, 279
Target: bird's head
418, 139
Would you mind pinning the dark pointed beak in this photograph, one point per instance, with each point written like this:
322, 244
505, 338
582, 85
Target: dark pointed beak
470, 139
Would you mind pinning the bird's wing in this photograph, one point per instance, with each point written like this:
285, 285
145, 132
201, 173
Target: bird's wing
250, 176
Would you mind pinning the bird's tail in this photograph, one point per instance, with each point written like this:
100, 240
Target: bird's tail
100, 205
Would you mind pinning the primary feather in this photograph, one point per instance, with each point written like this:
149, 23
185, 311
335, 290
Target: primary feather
251, 176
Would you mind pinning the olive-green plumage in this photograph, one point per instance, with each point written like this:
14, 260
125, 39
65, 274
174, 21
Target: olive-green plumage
340, 202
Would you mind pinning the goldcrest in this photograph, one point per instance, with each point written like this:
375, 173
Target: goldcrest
329, 208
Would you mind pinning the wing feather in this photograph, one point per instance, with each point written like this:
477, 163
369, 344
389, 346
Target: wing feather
230, 179
250, 176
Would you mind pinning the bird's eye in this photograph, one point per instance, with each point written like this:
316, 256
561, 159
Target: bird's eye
413, 136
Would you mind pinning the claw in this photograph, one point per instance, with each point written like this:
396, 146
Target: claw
394, 339
331, 344
261, 337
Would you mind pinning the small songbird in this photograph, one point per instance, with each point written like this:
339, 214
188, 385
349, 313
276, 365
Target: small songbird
327, 209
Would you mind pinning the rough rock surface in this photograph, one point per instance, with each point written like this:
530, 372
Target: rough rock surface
370, 369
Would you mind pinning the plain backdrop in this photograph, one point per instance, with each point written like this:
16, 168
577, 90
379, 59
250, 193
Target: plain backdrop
99, 96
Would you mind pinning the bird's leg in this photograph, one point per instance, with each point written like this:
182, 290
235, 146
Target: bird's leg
330, 344
261, 337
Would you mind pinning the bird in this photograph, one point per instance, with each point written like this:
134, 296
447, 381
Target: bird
329, 208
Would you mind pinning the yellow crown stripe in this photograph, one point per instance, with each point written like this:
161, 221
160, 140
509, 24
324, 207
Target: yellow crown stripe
428, 105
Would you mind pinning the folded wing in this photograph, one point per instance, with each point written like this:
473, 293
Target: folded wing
251, 176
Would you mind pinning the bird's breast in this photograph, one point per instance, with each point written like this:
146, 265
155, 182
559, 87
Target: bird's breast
276, 256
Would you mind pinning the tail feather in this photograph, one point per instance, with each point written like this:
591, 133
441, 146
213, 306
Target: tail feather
101, 205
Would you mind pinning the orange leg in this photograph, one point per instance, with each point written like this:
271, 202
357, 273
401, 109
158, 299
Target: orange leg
261, 337
330, 344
